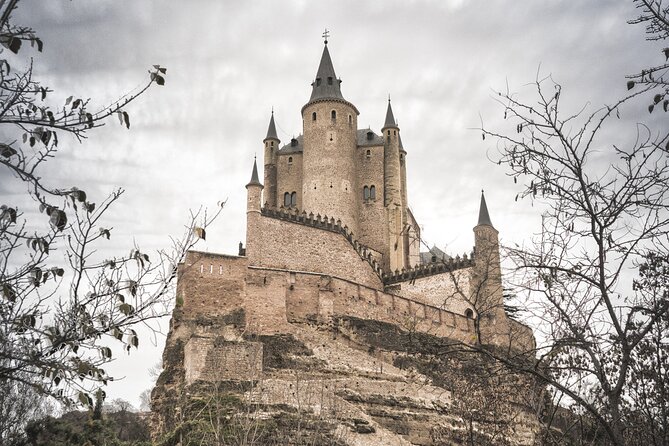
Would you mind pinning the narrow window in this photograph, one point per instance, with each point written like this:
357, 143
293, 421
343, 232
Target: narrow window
365, 193
318, 82
329, 80
272, 143
372, 192
369, 153
334, 115
290, 160
313, 116
293, 199
350, 120
469, 314
394, 132
388, 132
286, 199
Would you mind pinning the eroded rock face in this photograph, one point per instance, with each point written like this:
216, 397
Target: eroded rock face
349, 381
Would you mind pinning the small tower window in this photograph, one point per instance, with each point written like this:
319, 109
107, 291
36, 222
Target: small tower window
286, 200
365, 193
469, 313
350, 120
272, 143
369, 153
329, 80
334, 115
293, 199
394, 132
313, 116
290, 160
372, 192
318, 82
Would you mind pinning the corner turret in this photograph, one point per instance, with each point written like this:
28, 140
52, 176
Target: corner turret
254, 191
253, 213
487, 260
271, 143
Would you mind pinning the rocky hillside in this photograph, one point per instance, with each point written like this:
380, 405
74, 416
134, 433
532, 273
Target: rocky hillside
350, 382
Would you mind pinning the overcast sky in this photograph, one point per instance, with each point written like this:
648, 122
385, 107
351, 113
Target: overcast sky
192, 141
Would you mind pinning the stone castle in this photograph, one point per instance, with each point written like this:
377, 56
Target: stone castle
318, 316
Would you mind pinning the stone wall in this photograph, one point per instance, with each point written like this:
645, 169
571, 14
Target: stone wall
371, 213
289, 177
211, 283
444, 290
217, 359
286, 245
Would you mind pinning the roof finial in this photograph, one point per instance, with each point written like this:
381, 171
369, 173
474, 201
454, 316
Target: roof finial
272, 109
388, 97
326, 34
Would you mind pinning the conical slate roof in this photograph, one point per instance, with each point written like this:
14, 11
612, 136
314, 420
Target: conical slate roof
390, 118
254, 175
271, 130
484, 217
326, 85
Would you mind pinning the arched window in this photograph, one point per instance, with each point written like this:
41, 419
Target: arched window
469, 313
272, 143
313, 116
290, 160
365, 193
372, 192
293, 199
286, 200
350, 120
334, 115
369, 153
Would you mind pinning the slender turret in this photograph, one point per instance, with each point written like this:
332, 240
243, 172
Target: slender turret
487, 262
396, 213
253, 206
271, 143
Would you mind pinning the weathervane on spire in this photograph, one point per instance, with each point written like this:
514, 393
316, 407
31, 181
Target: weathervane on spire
326, 34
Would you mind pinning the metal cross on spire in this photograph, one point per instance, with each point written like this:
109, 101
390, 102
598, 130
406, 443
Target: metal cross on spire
326, 34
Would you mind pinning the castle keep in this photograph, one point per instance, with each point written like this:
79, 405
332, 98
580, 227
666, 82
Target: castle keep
314, 312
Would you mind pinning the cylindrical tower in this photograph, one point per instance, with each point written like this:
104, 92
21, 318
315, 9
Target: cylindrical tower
271, 143
330, 125
253, 214
395, 209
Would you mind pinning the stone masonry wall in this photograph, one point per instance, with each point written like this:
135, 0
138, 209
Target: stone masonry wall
443, 290
371, 213
289, 176
209, 359
212, 284
286, 245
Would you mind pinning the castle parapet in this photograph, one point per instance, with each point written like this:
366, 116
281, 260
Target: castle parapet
429, 269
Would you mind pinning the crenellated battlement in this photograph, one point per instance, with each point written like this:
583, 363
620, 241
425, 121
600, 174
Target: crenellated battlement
430, 269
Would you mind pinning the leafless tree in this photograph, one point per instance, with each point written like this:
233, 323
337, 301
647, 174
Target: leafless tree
62, 304
605, 214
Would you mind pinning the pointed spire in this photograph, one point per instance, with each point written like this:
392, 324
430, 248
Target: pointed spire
390, 118
326, 84
254, 175
271, 130
484, 217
